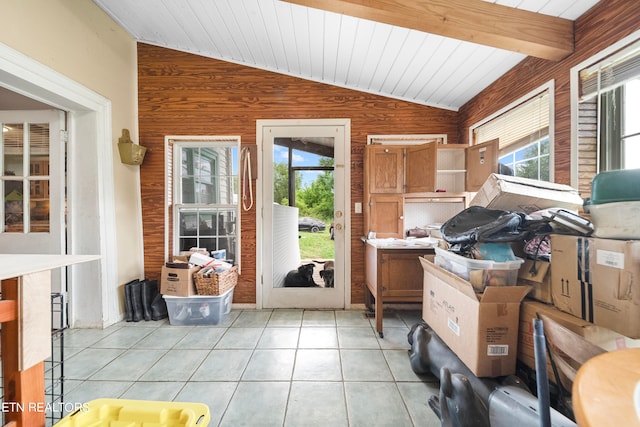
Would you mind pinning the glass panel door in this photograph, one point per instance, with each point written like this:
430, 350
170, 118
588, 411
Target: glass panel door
304, 235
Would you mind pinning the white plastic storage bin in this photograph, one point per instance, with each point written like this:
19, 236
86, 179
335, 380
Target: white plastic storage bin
479, 273
618, 220
198, 309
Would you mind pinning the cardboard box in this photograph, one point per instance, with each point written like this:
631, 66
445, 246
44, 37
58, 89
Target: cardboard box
512, 193
178, 282
536, 274
598, 280
481, 329
605, 338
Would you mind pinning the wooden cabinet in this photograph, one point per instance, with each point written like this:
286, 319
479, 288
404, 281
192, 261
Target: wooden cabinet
457, 172
481, 161
465, 168
393, 275
420, 168
385, 167
387, 215
399, 169
400, 193
391, 172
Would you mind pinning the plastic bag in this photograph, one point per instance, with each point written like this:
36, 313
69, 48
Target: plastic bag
478, 224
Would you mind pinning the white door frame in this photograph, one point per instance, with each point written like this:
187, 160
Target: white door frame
90, 183
346, 125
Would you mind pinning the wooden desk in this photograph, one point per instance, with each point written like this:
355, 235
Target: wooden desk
393, 274
25, 313
603, 390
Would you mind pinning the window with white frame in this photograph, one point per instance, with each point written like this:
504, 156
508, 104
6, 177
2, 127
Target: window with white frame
613, 86
524, 136
205, 191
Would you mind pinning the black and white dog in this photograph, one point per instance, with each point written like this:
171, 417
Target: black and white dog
302, 277
327, 274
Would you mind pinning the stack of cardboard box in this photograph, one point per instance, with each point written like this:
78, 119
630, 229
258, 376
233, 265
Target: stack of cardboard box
591, 286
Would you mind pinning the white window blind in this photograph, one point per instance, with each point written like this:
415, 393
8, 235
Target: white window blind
406, 139
521, 125
611, 72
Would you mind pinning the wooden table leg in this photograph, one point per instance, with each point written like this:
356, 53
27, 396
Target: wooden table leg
379, 314
23, 390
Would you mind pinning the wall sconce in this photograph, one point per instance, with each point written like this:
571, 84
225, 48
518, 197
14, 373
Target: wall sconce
130, 153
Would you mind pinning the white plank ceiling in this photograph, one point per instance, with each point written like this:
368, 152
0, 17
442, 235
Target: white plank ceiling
328, 47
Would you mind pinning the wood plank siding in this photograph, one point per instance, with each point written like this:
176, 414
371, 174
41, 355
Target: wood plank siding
603, 25
185, 94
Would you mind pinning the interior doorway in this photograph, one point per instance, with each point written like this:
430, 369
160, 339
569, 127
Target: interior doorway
304, 231
90, 205
32, 182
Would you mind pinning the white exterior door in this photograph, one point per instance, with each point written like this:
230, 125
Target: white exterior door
32, 181
279, 234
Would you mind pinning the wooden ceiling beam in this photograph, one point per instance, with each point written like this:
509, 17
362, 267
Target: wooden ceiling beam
476, 21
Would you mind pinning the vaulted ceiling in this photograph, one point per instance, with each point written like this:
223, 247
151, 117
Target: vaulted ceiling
439, 53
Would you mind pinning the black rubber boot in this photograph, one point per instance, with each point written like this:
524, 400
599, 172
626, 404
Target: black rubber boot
149, 292
136, 301
128, 307
159, 308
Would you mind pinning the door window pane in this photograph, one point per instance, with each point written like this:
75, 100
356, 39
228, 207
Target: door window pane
13, 207
26, 212
303, 211
13, 146
39, 149
39, 206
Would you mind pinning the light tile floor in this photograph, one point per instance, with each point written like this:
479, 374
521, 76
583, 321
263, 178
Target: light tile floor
260, 368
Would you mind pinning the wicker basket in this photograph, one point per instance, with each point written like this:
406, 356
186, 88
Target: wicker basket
216, 284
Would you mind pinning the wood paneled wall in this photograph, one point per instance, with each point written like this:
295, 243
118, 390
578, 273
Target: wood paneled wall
603, 25
185, 94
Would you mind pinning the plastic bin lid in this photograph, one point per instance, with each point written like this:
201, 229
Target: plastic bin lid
615, 186
134, 413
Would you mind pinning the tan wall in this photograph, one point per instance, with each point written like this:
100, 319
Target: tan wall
78, 40
184, 94
603, 25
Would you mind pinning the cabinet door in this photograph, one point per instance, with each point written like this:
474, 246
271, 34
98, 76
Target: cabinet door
420, 168
386, 169
387, 216
482, 161
402, 274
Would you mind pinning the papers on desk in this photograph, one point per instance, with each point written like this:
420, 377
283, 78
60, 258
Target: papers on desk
411, 242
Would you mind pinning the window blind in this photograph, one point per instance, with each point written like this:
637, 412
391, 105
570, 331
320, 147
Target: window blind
523, 124
406, 139
610, 72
